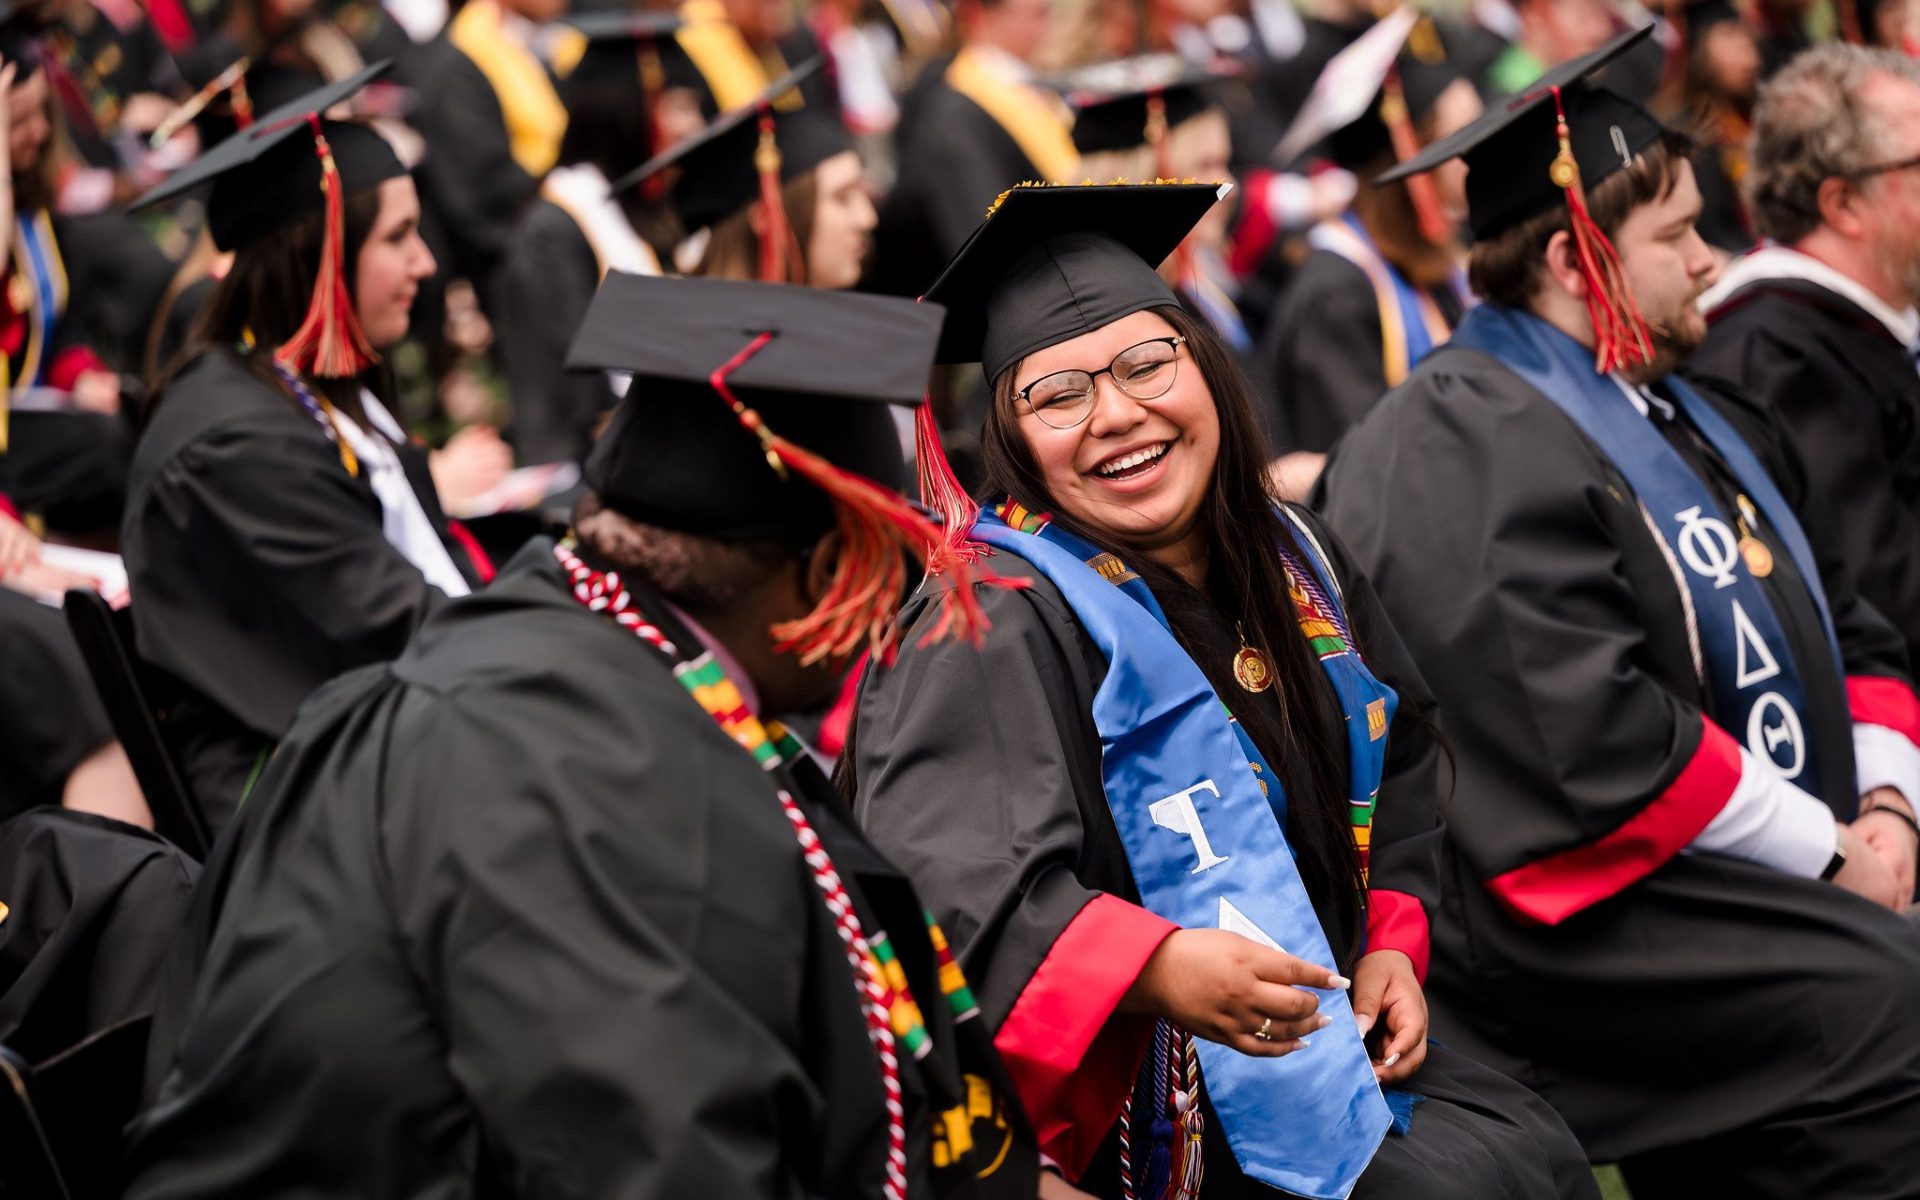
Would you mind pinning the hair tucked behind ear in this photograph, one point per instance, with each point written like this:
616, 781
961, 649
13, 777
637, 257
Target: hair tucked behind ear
1243, 527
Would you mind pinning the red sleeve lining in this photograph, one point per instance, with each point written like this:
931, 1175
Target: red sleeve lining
1071, 1059
1876, 700
1398, 921
67, 366
475, 552
1551, 889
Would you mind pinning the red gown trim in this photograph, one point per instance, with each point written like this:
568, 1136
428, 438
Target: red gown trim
1875, 700
1398, 921
1071, 1059
1551, 889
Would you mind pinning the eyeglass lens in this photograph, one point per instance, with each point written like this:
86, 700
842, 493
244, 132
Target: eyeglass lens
1145, 372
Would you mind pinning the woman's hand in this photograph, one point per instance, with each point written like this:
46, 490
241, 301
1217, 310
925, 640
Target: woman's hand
1866, 874
1389, 1003
97, 392
19, 549
1052, 1187
1889, 837
471, 464
1228, 989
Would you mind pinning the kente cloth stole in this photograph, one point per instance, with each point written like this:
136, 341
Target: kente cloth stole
1202, 817
1031, 117
37, 290
1411, 323
530, 107
1752, 680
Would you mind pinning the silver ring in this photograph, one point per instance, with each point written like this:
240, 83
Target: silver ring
1265, 1032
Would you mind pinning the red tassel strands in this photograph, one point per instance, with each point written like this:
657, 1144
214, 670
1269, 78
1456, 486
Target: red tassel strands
1620, 337
1421, 189
878, 530
653, 82
777, 250
329, 344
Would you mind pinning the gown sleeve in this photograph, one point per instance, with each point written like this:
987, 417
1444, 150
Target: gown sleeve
1404, 864
1325, 353
978, 774
260, 571
1582, 768
470, 178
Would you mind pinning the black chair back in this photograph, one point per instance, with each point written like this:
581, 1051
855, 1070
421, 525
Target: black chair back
127, 686
66, 1116
27, 1169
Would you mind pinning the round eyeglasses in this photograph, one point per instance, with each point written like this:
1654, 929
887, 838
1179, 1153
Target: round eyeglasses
1065, 398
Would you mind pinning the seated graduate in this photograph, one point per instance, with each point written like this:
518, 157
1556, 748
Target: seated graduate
280, 528
577, 229
1381, 284
769, 192
1686, 748
547, 905
1154, 117
1163, 765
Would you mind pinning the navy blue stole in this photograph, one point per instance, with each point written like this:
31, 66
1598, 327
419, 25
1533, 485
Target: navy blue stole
1753, 682
1207, 848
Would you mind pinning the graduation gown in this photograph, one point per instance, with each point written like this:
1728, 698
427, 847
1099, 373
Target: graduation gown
979, 770
514, 916
1324, 351
1684, 1011
1845, 394
50, 717
545, 282
93, 904
258, 567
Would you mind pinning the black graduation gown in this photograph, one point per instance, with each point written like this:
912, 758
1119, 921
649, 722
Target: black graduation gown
93, 907
545, 282
954, 159
1845, 395
980, 771
50, 716
513, 916
1663, 1002
1323, 351
104, 64
258, 567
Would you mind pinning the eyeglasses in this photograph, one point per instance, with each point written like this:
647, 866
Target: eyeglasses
1886, 168
1065, 398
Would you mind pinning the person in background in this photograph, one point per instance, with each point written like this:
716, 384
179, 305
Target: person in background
281, 527
1817, 329
1550, 32
1721, 76
1682, 833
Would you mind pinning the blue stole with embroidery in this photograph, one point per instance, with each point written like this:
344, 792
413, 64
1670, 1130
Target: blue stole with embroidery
41, 270
1207, 848
1753, 682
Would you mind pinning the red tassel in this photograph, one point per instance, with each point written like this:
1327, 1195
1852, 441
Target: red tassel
774, 234
242, 102
653, 83
329, 344
1620, 336
879, 530
1421, 189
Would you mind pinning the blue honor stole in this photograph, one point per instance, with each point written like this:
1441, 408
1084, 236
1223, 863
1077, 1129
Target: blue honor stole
1411, 323
39, 292
1201, 816
1753, 683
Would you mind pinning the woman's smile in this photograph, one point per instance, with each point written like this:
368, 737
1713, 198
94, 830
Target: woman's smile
1134, 470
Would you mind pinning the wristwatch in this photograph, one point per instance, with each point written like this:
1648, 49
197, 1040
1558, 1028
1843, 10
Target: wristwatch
1838, 861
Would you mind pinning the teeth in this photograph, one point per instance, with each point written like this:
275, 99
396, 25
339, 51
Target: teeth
1132, 460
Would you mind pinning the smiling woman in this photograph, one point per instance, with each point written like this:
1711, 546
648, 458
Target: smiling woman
269, 465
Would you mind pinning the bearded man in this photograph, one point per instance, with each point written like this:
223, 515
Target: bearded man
1666, 904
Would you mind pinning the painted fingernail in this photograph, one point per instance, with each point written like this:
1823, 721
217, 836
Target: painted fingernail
1391, 1059
1339, 981
1364, 1021
1301, 1043
1322, 1021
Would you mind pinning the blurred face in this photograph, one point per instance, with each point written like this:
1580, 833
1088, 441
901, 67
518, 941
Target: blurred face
760, 21
1203, 149
27, 109
1667, 266
1890, 216
1016, 26
843, 221
1134, 470
392, 263
1730, 60
1453, 110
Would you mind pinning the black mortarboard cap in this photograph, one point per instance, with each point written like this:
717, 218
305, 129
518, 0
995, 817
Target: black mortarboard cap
676, 455
269, 173
1366, 138
613, 44
1510, 149
718, 173
1112, 101
1702, 15
1051, 263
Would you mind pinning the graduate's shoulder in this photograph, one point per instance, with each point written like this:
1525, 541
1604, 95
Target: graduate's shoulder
1010, 590
215, 398
1461, 395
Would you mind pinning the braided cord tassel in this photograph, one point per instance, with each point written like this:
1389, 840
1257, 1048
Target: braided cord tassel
329, 343
1620, 336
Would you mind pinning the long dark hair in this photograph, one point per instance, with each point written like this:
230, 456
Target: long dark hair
1243, 527
265, 294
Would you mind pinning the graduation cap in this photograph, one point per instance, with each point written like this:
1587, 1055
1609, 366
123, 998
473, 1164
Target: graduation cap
1051, 263
611, 53
288, 164
747, 155
1133, 102
760, 412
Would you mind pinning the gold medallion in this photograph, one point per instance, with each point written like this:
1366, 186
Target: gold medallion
1759, 558
1250, 670
20, 293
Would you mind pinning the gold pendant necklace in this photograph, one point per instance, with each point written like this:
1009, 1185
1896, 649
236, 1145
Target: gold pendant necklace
1759, 559
1250, 668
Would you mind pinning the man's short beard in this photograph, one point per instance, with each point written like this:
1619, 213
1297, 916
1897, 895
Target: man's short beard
1671, 342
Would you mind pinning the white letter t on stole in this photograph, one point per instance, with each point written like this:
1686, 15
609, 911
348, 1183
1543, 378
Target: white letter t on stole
1177, 813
